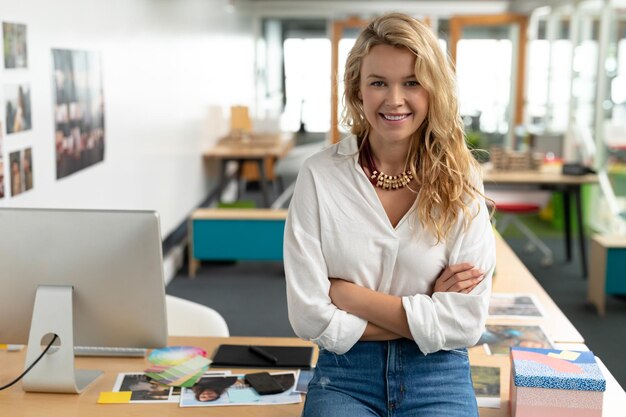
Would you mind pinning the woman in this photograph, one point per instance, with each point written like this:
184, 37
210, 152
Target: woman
388, 246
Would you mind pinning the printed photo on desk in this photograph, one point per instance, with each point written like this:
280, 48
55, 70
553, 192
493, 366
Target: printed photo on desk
304, 377
498, 339
144, 389
233, 390
516, 306
486, 382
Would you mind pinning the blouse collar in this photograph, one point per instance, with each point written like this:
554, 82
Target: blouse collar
348, 146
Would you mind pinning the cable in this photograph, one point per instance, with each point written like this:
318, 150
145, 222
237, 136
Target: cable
31, 366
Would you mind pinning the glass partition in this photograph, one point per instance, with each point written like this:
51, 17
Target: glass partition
485, 90
489, 53
585, 68
599, 106
614, 106
549, 72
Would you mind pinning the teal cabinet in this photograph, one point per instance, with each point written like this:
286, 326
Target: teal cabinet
607, 275
245, 239
235, 235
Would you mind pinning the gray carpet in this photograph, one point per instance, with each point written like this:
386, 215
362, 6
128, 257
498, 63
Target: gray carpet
249, 295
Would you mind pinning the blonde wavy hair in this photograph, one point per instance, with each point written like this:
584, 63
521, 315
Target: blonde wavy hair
445, 170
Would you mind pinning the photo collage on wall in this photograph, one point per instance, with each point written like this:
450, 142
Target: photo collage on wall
16, 156
79, 110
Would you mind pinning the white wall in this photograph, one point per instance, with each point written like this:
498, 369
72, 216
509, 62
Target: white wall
171, 70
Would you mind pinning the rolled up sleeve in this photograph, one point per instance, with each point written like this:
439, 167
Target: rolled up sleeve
312, 314
450, 320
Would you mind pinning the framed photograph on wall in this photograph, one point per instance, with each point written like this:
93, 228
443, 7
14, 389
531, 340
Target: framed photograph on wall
15, 173
78, 109
17, 108
27, 168
15, 46
21, 171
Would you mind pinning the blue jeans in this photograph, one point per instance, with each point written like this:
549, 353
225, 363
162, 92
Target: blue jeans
391, 378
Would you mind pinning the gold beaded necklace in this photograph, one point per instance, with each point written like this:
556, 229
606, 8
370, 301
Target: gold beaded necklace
378, 178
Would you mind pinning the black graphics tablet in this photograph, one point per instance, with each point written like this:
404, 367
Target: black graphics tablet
256, 356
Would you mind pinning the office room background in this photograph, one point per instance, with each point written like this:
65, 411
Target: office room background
170, 70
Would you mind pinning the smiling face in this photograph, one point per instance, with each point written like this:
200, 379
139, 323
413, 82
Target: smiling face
394, 102
208, 395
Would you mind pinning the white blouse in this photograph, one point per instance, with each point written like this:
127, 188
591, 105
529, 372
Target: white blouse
337, 227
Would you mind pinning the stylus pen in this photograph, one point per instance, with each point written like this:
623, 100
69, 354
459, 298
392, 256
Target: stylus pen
263, 354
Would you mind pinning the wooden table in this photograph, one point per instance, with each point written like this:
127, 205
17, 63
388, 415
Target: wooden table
568, 185
511, 276
16, 403
255, 147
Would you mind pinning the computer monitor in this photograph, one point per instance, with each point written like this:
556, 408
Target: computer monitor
92, 277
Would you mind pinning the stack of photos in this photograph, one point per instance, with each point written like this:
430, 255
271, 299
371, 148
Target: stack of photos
498, 339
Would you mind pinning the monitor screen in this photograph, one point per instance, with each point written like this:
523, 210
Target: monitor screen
110, 260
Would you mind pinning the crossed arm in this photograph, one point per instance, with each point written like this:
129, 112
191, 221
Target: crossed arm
384, 313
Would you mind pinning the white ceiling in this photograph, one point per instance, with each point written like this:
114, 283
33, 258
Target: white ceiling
366, 8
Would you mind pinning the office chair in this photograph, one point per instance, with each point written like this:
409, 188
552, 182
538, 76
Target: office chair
511, 205
188, 318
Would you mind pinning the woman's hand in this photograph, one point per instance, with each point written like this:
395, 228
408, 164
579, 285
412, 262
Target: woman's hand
461, 278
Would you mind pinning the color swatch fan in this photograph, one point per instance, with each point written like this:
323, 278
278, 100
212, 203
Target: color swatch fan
174, 355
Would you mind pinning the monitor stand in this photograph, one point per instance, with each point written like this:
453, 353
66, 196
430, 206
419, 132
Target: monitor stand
52, 314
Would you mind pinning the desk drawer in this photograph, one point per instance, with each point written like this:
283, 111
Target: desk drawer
616, 271
246, 239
